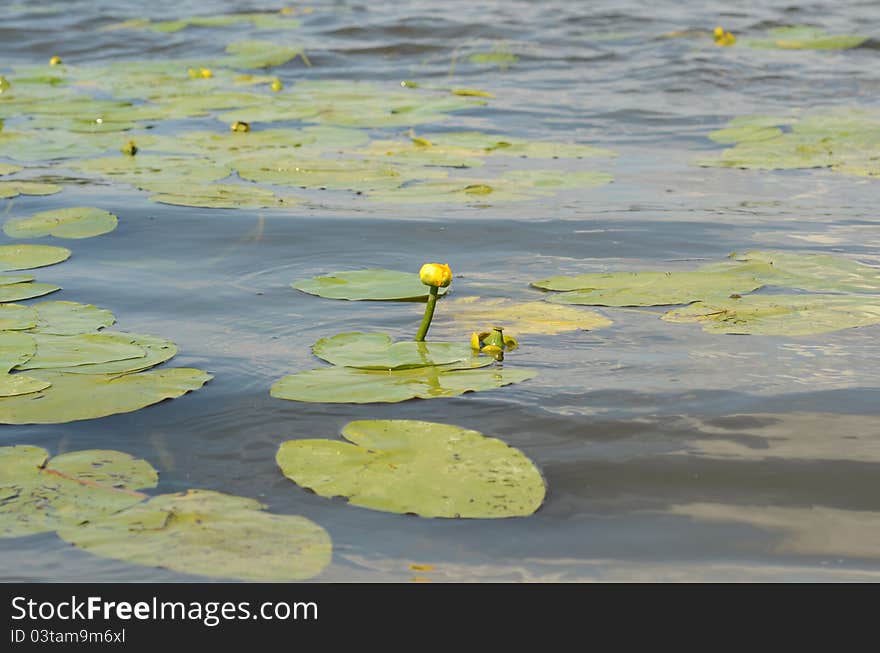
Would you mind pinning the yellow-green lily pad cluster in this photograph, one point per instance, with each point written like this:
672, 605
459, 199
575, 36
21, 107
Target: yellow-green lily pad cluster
803, 37
840, 293
93, 500
846, 141
420, 468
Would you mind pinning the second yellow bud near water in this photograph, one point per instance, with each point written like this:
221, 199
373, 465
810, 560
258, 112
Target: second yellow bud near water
438, 275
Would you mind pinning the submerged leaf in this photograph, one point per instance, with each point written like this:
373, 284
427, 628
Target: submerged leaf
209, 534
414, 467
348, 385
373, 285
379, 352
781, 315
79, 222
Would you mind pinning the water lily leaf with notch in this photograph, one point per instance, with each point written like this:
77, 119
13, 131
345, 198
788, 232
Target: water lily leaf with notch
210, 534
379, 351
82, 349
16, 317
62, 318
15, 349
15, 292
73, 397
319, 173
373, 285
477, 313
8, 169
10, 189
814, 272
421, 468
349, 385
645, 288
480, 192
27, 257
804, 38
145, 169
781, 315
77, 222
217, 196
39, 497
424, 152
259, 54
13, 385
48, 145
265, 144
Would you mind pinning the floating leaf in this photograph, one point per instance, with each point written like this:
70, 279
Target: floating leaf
18, 291
815, 272
477, 313
259, 54
13, 385
645, 288
84, 349
15, 317
145, 170
781, 315
107, 394
79, 222
348, 385
69, 318
422, 468
15, 349
321, 173
373, 285
210, 534
38, 496
460, 191
27, 257
8, 169
545, 179
157, 350
218, 196
9, 189
804, 38
379, 352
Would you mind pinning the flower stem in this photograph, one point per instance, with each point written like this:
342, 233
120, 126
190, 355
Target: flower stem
429, 314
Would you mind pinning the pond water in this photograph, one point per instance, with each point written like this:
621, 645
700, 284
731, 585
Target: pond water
669, 453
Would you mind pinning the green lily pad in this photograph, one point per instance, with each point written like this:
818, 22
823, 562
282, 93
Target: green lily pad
83, 349
378, 351
157, 350
63, 318
13, 385
814, 272
18, 291
73, 397
478, 313
781, 315
745, 134
39, 496
10, 189
372, 285
259, 54
209, 534
645, 288
15, 317
79, 222
27, 257
218, 196
320, 173
804, 38
145, 170
548, 179
8, 169
421, 468
10, 279
483, 192
499, 145
15, 349
348, 385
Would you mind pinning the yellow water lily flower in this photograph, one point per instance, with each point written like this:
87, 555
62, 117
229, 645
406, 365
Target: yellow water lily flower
723, 38
277, 85
54, 61
240, 126
438, 275
129, 148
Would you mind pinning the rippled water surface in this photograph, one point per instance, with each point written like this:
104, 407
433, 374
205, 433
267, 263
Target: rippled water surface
669, 453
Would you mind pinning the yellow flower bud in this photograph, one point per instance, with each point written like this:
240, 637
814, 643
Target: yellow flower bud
205, 73
277, 85
240, 126
436, 274
129, 148
54, 61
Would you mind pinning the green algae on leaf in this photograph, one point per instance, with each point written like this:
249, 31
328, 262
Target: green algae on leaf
348, 385
64, 318
476, 313
28, 257
77, 222
378, 351
210, 534
373, 285
645, 288
781, 315
40, 496
108, 394
421, 468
